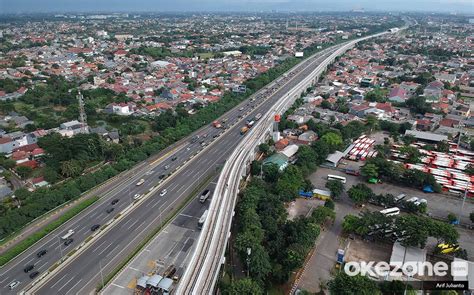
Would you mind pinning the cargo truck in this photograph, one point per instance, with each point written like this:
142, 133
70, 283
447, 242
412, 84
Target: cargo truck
68, 234
217, 124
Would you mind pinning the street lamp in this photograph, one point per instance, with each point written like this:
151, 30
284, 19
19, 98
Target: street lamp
17, 200
249, 251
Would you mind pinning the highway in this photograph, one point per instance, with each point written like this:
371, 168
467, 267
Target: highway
81, 275
202, 272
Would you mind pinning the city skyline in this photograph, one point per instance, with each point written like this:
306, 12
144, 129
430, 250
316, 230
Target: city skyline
30, 6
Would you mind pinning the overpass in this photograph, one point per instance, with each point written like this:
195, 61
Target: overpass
203, 270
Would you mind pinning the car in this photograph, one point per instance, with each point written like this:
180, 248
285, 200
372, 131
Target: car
216, 136
163, 192
95, 227
140, 182
137, 196
28, 268
161, 176
110, 210
174, 158
34, 274
205, 135
68, 242
114, 201
41, 253
241, 109
13, 285
203, 143
167, 167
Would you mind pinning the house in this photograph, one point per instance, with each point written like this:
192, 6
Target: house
278, 159
6, 145
397, 94
281, 144
446, 122
358, 110
444, 77
307, 137
290, 151
334, 159
112, 135
121, 109
72, 128
433, 91
463, 111
424, 125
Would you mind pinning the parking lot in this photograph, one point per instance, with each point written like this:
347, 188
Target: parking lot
439, 205
320, 266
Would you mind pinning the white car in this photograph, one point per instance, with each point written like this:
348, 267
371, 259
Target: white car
167, 167
140, 182
163, 192
13, 285
137, 196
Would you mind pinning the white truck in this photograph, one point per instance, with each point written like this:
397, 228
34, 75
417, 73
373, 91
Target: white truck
68, 234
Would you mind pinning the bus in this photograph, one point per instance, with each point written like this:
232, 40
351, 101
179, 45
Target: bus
391, 211
336, 177
202, 219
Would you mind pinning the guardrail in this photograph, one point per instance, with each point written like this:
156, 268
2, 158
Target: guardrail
202, 272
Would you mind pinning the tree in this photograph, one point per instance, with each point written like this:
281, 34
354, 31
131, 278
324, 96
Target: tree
256, 167
343, 284
329, 204
371, 122
70, 168
307, 157
333, 140
396, 287
271, 172
244, 286
370, 171
412, 154
264, 148
452, 217
336, 187
470, 169
24, 171
360, 193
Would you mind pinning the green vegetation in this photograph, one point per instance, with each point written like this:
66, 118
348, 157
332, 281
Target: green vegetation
411, 230
25, 244
159, 52
398, 174
278, 245
377, 95
344, 284
336, 188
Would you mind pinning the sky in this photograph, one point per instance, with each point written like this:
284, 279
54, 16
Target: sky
26, 6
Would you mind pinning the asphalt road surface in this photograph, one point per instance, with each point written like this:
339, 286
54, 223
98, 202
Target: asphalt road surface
82, 274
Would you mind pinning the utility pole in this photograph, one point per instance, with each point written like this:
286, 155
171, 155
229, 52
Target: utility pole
82, 113
249, 251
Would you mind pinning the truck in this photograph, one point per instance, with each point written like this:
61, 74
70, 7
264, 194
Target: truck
244, 130
258, 116
250, 124
68, 235
340, 256
217, 124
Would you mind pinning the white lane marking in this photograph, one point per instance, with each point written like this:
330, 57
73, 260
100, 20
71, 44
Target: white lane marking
118, 286
127, 222
6, 278
131, 225
59, 280
65, 284
100, 253
72, 288
186, 215
96, 248
179, 191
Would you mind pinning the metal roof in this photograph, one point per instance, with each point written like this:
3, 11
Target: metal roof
154, 280
426, 135
141, 282
165, 284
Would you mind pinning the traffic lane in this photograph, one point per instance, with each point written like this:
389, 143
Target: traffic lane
85, 266
159, 254
81, 226
271, 95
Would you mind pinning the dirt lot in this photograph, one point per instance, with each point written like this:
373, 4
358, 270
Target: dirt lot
359, 250
302, 207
